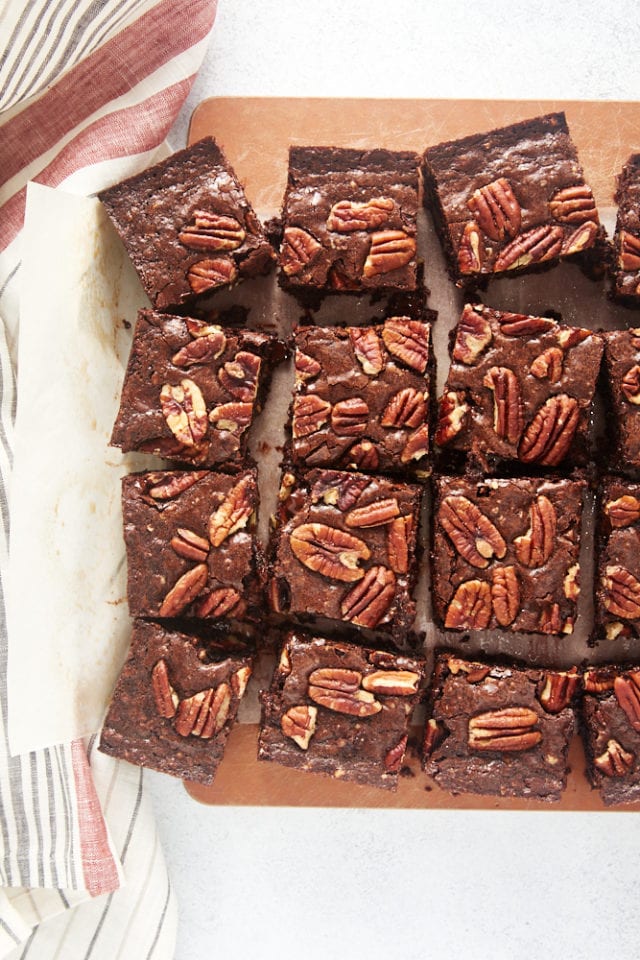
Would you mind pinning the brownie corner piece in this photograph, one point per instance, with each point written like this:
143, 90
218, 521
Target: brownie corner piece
617, 587
187, 226
499, 729
173, 705
610, 726
339, 709
625, 266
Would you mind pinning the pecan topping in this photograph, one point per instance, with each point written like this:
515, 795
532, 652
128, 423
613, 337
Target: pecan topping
306, 367
434, 734
417, 446
453, 411
349, 418
393, 758
339, 489
392, 683
627, 692
212, 231
558, 689
475, 672
165, 696
534, 548
399, 532
171, 485
189, 545
375, 514
339, 690
496, 209
364, 456
581, 238
349, 215
407, 340
571, 336
207, 274
473, 335
407, 408
336, 678
234, 416
185, 411
548, 437
534, 246
299, 723
234, 511
310, 412
472, 533
205, 713
521, 325
629, 256
201, 350
184, 591
390, 250
550, 620
369, 602
329, 551
631, 385
571, 583
624, 511
218, 603
574, 205
505, 594
299, 249
239, 681
548, 365
621, 592
509, 730
367, 348
239, 376
598, 679
615, 761
470, 608
470, 249
508, 418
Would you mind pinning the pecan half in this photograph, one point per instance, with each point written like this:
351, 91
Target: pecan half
615, 761
329, 551
571, 336
470, 249
417, 445
406, 408
200, 350
349, 418
363, 456
185, 411
473, 535
629, 251
170, 486
598, 679
581, 238
474, 672
234, 417
558, 689
367, 348
470, 608
208, 274
550, 621
505, 594
310, 412
627, 692
190, 545
239, 376
534, 548
508, 730
375, 514
336, 678
390, 250
452, 415
621, 592
306, 367
496, 209
347, 216
166, 698
370, 601
631, 385
522, 325
184, 591
239, 681
574, 205
298, 250
234, 511
399, 533
339, 489
392, 683
212, 231
547, 439
508, 419
548, 365
407, 340
205, 713
299, 723
473, 335
393, 757
534, 246
218, 603
339, 690
624, 511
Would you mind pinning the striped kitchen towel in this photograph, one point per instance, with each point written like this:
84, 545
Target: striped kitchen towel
88, 92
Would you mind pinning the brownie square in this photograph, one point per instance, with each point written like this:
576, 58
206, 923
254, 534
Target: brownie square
622, 369
626, 239
174, 703
610, 726
190, 540
505, 554
519, 389
344, 552
510, 200
499, 729
188, 226
349, 220
192, 390
338, 709
617, 599
362, 397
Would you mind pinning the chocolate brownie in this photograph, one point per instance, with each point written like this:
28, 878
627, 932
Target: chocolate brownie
499, 729
626, 240
617, 600
505, 554
519, 389
610, 726
362, 397
337, 709
192, 390
510, 200
188, 226
174, 703
622, 370
344, 552
349, 220
190, 540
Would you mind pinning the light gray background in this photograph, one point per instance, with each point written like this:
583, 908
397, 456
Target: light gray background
369, 884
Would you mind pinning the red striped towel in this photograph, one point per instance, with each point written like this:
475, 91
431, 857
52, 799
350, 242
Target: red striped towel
88, 92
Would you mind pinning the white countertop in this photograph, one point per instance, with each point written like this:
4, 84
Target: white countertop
315, 883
